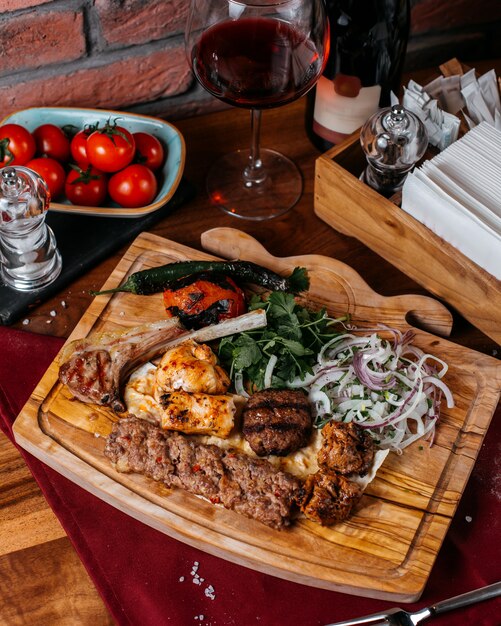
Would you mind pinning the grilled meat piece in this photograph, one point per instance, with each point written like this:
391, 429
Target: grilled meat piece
190, 367
346, 448
277, 421
252, 487
329, 498
198, 413
94, 367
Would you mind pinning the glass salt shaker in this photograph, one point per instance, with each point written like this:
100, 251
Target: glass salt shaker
394, 139
29, 258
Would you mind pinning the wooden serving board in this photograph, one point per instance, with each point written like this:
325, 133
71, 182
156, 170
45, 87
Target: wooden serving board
387, 548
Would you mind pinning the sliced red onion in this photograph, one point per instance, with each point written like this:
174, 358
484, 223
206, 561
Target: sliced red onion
383, 388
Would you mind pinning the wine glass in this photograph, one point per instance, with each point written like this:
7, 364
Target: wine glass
256, 54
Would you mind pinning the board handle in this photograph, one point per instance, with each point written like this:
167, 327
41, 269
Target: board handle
415, 310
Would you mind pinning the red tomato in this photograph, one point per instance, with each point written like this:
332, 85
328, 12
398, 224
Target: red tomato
86, 187
202, 299
17, 145
133, 186
110, 148
78, 146
51, 141
52, 172
149, 150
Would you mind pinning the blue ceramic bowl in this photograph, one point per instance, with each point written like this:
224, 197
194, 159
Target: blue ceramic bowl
168, 176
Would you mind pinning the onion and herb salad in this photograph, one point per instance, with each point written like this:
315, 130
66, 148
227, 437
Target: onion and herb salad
388, 386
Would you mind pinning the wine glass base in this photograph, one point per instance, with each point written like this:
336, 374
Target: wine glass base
265, 196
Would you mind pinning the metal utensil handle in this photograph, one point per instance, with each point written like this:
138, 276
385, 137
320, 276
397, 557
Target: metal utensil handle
465, 599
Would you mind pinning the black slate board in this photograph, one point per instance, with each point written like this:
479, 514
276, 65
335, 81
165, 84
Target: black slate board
84, 241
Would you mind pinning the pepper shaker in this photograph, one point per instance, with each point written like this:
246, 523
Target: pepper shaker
29, 258
394, 139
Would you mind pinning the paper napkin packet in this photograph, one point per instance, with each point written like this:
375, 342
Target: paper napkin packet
457, 195
439, 102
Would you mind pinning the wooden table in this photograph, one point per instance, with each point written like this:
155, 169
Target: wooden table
41, 578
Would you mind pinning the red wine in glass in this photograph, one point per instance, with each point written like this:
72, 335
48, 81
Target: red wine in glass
256, 54
256, 62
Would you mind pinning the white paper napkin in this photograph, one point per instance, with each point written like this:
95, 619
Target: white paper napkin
457, 195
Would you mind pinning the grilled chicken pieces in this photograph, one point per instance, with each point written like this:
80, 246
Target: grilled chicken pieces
190, 388
198, 413
190, 367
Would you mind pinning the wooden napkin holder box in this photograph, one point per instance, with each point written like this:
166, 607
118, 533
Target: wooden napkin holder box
355, 209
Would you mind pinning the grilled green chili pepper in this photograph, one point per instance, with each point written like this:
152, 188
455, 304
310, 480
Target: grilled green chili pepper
156, 279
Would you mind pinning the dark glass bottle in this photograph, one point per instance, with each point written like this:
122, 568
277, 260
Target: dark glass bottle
368, 41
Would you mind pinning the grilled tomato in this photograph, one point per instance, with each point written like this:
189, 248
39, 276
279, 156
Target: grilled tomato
202, 299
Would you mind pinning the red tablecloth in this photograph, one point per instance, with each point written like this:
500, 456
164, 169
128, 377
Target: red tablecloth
149, 579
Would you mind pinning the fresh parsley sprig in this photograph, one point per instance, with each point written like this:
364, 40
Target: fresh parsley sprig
294, 335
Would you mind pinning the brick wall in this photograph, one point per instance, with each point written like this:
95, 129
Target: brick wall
120, 54
129, 54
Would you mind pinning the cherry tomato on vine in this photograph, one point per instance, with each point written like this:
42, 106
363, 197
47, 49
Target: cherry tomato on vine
17, 145
86, 187
52, 172
149, 151
110, 148
133, 186
51, 141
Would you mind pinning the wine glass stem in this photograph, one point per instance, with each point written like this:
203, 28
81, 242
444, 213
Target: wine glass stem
255, 174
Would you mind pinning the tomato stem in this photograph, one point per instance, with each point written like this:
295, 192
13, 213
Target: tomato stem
110, 129
84, 176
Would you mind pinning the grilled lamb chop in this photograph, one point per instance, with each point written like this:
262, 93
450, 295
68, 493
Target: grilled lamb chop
277, 421
93, 368
346, 448
252, 487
